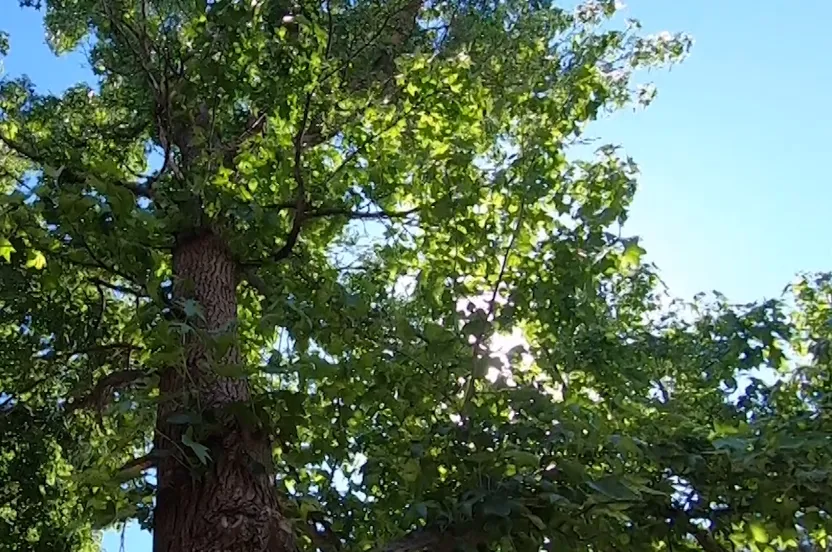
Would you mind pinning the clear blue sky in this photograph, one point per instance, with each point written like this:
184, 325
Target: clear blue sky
734, 194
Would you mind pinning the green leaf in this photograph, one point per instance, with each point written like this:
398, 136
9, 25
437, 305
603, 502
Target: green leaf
411, 470
554, 498
35, 259
6, 249
200, 450
309, 505
497, 507
613, 487
14, 198
523, 458
758, 532
421, 510
536, 521
731, 443
193, 309
631, 256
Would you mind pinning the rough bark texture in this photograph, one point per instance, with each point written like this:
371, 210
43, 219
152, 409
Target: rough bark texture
230, 504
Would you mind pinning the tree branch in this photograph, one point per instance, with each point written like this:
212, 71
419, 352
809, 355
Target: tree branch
98, 263
338, 212
106, 386
12, 399
408, 8
321, 533
301, 201
302, 216
492, 304
95, 349
138, 190
115, 287
435, 540
136, 466
704, 538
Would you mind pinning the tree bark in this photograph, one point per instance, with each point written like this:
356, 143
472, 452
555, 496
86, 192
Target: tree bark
229, 503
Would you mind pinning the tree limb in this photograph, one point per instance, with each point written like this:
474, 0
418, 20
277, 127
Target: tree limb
301, 200
492, 305
435, 540
96, 349
136, 466
138, 190
704, 538
321, 533
117, 288
11, 399
382, 214
302, 216
98, 263
106, 386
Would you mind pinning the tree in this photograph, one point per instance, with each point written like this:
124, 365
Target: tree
257, 283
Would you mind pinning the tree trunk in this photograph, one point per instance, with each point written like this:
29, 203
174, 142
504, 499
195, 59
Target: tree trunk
229, 503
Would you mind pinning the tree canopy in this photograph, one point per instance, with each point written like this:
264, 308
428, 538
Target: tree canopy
435, 336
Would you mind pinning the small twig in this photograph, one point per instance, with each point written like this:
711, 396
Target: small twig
117, 288
300, 202
373, 38
478, 341
166, 165
177, 447
5, 408
93, 349
101, 264
336, 212
330, 26
103, 308
30, 154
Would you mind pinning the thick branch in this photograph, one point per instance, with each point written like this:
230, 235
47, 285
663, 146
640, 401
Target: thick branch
704, 538
301, 200
435, 540
291, 239
706, 541
106, 386
321, 533
136, 466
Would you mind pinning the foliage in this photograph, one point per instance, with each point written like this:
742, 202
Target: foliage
396, 184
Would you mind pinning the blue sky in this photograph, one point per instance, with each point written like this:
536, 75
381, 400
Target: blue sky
734, 193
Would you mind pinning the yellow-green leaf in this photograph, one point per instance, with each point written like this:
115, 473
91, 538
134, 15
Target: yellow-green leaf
759, 532
6, 249
35, 259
